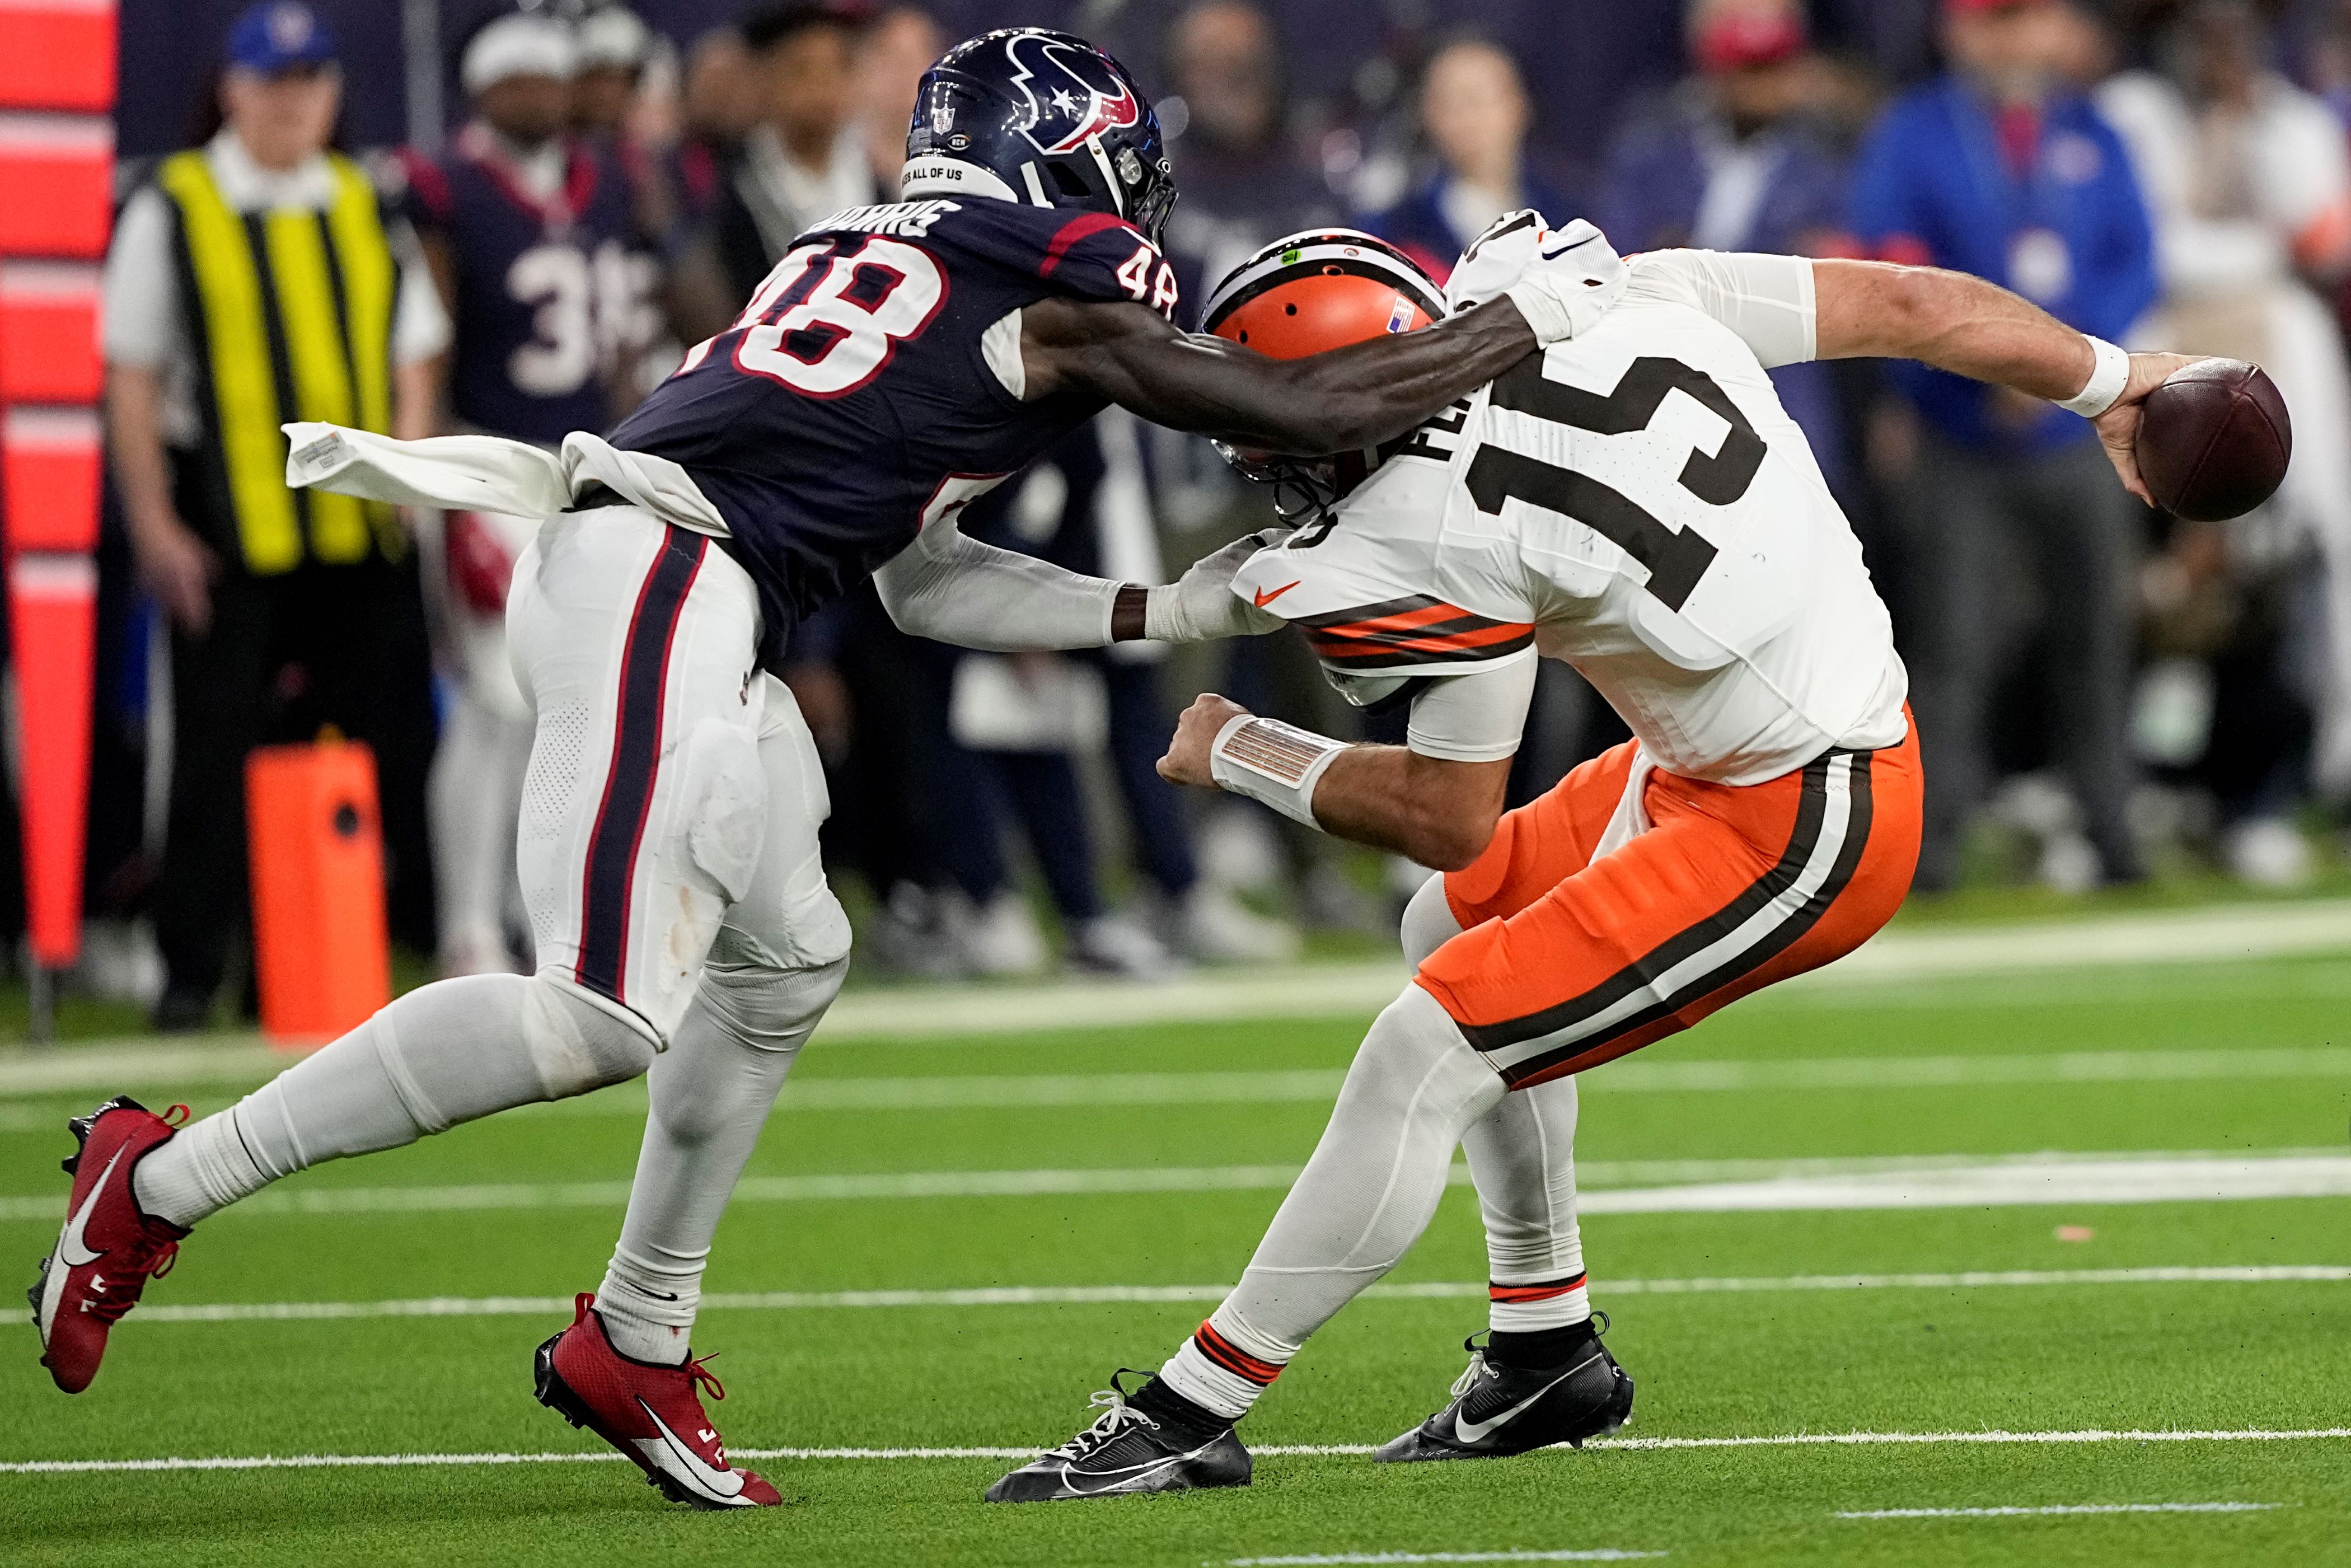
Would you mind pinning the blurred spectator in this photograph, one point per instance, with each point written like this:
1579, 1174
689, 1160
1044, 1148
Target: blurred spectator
2249, 187
718, 103
527, 227
1998, 169
898, 47
1735, 163
1243, 179
803, 160
289, 612
1475, 113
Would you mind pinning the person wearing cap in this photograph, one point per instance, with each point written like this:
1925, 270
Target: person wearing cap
254, 280
1737, 159
614, 47
527, 227
2002, 168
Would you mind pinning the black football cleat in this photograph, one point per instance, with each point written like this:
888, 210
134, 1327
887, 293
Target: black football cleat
1503, 1410
1124, 1453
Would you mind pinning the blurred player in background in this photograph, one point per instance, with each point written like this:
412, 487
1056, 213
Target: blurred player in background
527, 227
1637, 503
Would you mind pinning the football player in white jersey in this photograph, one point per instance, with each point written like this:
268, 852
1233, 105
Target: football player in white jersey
1637, 503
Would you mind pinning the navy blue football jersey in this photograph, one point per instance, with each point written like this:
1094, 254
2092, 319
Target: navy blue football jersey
852, 402
545, 290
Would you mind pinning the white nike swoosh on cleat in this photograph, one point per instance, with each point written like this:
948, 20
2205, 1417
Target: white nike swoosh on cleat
71, 1251
722, 1486
1466, 1431
1132, 1476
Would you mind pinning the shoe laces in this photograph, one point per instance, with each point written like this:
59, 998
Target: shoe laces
1477, 1370
1116, 1419
697, 1372
149, 1258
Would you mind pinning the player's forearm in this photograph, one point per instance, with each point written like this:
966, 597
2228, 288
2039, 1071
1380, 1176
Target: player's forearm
1350, 398
1396, 800
976, 596
1949, 320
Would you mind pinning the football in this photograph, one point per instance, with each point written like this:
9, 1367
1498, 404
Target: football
2214, 440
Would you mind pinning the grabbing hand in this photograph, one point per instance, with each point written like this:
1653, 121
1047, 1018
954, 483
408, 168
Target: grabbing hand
1563, 280
1188, 758
2118, 426
1201, 604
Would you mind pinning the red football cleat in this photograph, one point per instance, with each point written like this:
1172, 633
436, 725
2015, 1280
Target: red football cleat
653, 1414
109, 1249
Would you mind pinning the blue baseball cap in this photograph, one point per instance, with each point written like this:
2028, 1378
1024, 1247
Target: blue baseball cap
280, 36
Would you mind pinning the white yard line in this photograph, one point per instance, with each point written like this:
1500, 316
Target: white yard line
1601, 1555
1105, 1295
2062, 1508
1701, 1187
2220, 934
1277, 1451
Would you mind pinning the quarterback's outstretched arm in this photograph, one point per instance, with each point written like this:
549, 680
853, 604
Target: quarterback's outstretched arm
1979, 329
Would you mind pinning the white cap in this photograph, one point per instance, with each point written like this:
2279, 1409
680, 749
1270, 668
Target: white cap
613, 35
519, 46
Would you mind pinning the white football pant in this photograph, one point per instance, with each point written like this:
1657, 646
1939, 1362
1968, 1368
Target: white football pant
669, 815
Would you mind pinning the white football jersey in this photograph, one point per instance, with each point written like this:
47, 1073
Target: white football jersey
1635, 502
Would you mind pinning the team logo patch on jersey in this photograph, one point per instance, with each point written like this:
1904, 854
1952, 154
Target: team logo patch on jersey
1070, 96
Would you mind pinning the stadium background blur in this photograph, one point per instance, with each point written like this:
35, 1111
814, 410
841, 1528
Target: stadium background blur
2151, 701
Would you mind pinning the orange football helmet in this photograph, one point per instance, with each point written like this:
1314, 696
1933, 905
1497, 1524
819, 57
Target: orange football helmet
1308, 292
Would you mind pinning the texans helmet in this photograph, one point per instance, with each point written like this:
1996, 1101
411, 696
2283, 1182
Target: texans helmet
1029, 115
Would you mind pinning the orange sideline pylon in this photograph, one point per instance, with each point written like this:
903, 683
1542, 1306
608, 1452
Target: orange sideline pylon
320, 948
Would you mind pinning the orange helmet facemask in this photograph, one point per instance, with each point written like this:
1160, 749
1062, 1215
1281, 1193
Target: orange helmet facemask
1312, 291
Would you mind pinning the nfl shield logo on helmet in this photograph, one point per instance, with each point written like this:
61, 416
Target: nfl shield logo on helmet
942, 118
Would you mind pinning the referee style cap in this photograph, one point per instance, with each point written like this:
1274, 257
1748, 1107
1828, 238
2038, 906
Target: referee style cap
280, 36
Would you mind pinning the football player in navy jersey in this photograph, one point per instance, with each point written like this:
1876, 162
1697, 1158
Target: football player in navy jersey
898, 362
527, 229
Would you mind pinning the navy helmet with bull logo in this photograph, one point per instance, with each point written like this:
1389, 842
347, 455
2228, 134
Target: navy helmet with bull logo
1044, 118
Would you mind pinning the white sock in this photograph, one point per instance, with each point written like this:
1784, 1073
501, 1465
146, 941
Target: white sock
711, 1093
1361, 1203
444, 1053
1523, 1158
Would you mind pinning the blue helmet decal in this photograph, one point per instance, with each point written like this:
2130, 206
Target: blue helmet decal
1066, 84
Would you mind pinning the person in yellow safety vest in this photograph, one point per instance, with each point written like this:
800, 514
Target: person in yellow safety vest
253, 281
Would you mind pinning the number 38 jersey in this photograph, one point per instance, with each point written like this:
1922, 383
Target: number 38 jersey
872, 383
1637, 503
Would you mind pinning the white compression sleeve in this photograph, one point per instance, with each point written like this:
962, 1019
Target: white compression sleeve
948, 586
444, 1053
1768, 301
1361, 1203
1474, 718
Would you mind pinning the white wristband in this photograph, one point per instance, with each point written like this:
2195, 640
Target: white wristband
2109, 374
1271, 761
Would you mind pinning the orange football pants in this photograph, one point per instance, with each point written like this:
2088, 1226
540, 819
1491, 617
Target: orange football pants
1565, 962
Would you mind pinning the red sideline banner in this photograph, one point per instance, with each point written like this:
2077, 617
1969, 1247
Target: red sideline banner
59, 173
50, 465
48, 332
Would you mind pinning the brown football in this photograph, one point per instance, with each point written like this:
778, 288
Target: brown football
2213, 440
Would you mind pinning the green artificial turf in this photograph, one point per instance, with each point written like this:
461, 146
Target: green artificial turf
1762, 1363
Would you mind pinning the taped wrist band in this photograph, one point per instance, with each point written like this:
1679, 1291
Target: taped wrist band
1274, 762
2109, 374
